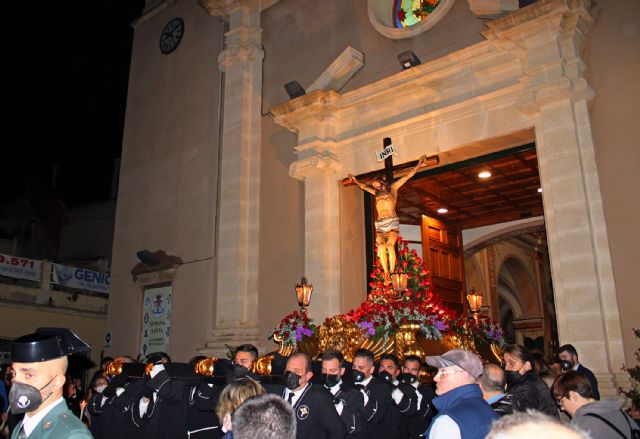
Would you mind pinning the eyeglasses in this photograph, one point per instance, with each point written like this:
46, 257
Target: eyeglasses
446, 372
559, 401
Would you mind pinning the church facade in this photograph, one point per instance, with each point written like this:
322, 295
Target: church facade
236, 188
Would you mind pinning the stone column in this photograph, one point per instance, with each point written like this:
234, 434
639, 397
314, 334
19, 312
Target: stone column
322, 231
239, 210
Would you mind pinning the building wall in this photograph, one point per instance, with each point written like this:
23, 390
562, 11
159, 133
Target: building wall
613, 59
168, 181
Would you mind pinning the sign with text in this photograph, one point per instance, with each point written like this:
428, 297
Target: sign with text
81, 278
20, 268
386, 153
156, 320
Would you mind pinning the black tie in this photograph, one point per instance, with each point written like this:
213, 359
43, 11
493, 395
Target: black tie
290, 399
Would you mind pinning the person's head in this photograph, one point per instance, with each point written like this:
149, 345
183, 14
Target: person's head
572, 391
363, 364
390, 364
125, 359
540, 364
48, 377
530, 425
264, 417
517, 358
456, 368
235, 394
298, 371
492, 381
569, 354
246, 355
158, 358
99, 382
412, 364
332, 367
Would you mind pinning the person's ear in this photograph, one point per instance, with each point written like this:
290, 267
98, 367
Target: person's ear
308, 376
58, 382
342, 370
573, 396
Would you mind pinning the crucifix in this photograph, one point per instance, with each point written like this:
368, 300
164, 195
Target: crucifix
385, 191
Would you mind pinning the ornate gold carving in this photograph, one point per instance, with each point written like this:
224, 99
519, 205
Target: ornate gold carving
262, 365
343, 335
406, 341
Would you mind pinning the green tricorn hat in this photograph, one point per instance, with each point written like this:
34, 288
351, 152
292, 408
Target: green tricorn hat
46, 344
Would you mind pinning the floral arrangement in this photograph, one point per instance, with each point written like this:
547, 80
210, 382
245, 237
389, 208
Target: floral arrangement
294, 328
385, 310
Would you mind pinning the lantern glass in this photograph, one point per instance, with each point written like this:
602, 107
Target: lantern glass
303, 292
399, 281
475, 300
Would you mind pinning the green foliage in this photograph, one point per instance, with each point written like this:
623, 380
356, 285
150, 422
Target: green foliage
633, 393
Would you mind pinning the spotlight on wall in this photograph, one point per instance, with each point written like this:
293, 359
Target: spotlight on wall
147, 257
294, 89
408, 59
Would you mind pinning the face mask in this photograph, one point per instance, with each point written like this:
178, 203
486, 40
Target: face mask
358, 376
25, 398
292, 380
566, 364
386, 376
407, 378
512, 376
330, 380
100, 389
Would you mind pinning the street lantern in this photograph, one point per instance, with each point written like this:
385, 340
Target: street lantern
303, 293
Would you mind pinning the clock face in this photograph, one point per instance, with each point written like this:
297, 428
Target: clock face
171, 35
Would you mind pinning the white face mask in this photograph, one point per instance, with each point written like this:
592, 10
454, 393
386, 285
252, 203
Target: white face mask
100, 389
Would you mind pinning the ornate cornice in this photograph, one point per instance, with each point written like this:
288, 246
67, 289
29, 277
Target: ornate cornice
224, 8
314, 164
317, 105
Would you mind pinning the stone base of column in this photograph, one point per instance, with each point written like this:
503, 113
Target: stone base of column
608, 383
220, 337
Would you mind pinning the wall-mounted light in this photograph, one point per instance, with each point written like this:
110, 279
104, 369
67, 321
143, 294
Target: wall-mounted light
294, 89
408, 59
484, 174
443, 210
303, 293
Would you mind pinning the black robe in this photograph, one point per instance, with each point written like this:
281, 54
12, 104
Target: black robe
316, 415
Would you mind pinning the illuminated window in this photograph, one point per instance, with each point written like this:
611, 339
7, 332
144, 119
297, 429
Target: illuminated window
406, 13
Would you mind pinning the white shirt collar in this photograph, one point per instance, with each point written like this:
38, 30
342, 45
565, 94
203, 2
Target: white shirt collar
296, 394
365, 382
577, 365
31, 422
334, 389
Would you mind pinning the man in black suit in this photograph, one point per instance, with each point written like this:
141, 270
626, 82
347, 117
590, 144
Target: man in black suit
569, 358
316, 415
403, 394
417, 424
386, 422
348, 401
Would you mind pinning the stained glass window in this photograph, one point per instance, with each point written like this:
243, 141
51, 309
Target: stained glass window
409, 12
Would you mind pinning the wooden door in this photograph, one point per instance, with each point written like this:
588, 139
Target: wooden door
442, 252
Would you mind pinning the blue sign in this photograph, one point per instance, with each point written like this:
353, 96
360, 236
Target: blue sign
81, 278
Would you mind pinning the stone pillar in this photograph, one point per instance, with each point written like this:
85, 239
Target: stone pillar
322, 231
239, 210
585, 298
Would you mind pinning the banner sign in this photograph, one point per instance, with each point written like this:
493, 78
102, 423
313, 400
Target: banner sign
156, 320
385, 153
20, 268
81, 278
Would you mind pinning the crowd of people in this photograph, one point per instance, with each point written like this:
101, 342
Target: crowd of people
325, 397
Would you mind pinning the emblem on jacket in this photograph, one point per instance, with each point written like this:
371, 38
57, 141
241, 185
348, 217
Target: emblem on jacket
303, 412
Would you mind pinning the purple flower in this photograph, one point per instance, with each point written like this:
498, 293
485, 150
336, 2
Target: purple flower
367, 327
300, 332
440, 326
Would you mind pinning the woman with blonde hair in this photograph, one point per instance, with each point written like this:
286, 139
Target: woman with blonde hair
232, 397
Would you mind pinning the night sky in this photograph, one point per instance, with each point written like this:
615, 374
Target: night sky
65, 75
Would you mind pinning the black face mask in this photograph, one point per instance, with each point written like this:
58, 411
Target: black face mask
512, 376
292, 380
358, 376
407, 378
330, 380
386, 376
566, 364
25, 398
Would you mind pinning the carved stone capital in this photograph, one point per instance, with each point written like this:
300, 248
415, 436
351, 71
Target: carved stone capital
224, 8
315, 164
239, 53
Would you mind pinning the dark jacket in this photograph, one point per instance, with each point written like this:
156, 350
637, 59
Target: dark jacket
414, 425
386, 423
530, 392
592, 380
316, 415
503, 406
352, 403
466, 407
608, 409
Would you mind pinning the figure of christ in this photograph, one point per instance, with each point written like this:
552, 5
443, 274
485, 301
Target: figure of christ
387, 222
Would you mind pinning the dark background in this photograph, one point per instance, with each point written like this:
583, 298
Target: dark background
64, 84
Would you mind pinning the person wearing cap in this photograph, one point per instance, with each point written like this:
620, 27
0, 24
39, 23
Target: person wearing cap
462, 412
40, 364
